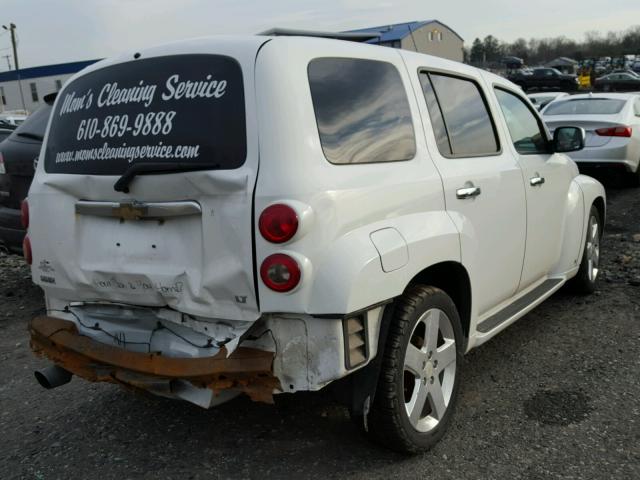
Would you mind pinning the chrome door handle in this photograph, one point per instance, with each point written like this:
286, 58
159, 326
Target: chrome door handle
536, 181
468, 192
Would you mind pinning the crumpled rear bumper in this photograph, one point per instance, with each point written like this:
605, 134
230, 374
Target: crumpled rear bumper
246, 370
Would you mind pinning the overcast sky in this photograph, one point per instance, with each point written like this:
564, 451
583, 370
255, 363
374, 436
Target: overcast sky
71, 30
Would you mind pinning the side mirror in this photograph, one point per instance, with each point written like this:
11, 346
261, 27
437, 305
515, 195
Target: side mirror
568, 139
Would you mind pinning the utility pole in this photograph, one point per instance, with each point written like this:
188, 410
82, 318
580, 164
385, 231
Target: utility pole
12, 29
8, 58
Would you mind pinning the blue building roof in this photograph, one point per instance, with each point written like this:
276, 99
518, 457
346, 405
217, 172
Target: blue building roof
45, 70
389, 33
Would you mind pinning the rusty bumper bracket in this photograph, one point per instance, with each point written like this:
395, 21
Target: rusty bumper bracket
247, 370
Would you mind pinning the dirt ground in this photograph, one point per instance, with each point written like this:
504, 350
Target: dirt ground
554, 396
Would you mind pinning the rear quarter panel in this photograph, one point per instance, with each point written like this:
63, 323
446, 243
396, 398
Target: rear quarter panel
342, 270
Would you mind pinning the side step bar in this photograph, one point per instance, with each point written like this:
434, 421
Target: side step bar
520, 304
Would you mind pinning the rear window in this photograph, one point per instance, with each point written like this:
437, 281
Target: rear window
362, 111
586, 106
35, 124
184, 108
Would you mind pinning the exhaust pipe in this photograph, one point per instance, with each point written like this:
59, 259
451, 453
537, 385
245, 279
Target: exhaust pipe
53, 376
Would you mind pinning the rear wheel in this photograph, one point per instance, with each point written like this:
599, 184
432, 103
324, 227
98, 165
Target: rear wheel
418, 382
585, 280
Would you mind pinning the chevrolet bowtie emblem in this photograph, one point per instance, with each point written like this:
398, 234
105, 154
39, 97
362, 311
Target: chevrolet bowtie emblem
130, 211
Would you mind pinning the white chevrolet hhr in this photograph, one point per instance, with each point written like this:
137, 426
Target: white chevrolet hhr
271, 214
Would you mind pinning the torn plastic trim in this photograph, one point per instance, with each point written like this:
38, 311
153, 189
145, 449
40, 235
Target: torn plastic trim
247, 370
145, 329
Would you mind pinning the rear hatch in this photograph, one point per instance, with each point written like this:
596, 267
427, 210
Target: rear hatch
179, 233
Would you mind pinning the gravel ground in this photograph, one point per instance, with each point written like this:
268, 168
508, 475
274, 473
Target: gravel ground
554, 396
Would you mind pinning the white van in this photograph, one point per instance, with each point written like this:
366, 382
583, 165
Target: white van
265, 215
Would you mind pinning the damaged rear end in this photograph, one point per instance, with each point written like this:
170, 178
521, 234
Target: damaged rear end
140, 227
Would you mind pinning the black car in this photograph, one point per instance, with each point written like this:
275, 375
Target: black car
618, 82
18, 156
546, 79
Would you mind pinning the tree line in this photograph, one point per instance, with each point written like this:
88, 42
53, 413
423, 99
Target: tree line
538, 51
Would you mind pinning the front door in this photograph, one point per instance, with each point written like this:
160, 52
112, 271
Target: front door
547, 180
482, 182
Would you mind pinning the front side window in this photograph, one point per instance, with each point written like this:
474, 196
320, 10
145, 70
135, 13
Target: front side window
459, 115
362, 111
34, 92
35, 124
526, 133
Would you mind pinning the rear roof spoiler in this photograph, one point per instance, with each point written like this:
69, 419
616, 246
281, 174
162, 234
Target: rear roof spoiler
349, 36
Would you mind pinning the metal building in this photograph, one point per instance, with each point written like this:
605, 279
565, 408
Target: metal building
35, 83
429, 36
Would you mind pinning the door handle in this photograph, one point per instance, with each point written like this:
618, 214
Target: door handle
536, 181
468, 192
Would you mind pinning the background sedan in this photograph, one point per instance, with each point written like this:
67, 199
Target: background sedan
612, 125
618, 82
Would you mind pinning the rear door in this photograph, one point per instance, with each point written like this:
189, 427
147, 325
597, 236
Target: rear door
181, 239
483, 187
547, 180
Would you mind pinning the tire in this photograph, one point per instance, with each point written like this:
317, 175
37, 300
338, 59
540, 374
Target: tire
633, 178
429, 378
585, 280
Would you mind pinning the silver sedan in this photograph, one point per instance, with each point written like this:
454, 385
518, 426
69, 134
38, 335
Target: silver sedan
612, 125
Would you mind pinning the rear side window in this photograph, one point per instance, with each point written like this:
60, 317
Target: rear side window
35, 124
178, 109
586, 106
362, 111
459, 115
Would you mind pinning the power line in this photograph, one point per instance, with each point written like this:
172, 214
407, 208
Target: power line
12, 29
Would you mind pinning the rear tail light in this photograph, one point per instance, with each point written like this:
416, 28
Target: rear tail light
278, 223
24, 214
280, 272
26, 250
615, 132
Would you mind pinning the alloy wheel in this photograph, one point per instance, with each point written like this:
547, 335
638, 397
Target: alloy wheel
429, 370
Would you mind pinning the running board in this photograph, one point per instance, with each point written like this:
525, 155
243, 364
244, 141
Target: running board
520, 304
